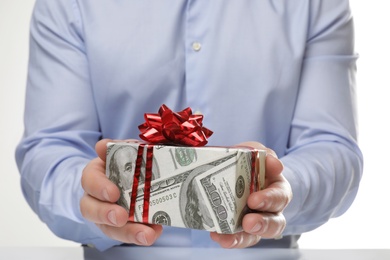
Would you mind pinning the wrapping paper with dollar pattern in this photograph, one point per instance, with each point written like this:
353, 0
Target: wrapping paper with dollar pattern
202, 188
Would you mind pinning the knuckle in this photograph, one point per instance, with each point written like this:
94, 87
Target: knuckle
286, 202
279, 223
254, 239
273, 225
102, 215
277, 200
282, 225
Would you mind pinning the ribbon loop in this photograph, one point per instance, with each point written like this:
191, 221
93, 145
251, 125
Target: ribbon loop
179, 128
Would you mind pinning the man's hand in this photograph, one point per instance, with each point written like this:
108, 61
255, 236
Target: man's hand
267, 221
98, 205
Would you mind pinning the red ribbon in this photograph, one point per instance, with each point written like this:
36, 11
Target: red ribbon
179, 128
137, 173
147, 184
253, 172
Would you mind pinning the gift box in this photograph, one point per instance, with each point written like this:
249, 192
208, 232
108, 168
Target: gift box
191, 187
174, 179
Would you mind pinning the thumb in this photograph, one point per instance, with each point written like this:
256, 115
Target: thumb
101, 148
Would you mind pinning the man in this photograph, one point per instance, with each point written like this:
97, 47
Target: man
277, 72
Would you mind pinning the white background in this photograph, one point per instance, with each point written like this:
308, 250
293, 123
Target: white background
365, 225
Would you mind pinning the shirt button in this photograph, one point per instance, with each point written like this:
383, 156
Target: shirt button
196, 46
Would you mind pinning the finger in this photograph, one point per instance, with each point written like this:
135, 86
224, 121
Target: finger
274, 198
96, 184
101, 148
102, 212
259, 146
133, 233
266, 225
273, 165
239, 240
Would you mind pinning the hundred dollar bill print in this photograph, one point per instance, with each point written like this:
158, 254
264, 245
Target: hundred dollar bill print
225, 189
120, 168
200, 188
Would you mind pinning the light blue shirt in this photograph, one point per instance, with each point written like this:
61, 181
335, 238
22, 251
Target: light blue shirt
274, 71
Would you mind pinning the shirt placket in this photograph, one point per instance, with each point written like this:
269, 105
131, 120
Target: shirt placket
196, 37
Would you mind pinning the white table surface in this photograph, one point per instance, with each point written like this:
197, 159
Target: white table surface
155, 253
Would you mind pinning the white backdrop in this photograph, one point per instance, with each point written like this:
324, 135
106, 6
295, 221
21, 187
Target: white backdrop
365, 225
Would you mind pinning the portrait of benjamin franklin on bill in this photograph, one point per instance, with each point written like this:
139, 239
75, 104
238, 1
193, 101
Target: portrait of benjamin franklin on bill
122, 163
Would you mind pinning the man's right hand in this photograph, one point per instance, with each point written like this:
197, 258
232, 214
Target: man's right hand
98, 205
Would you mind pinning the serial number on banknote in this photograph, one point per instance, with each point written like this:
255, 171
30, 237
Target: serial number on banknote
159, 200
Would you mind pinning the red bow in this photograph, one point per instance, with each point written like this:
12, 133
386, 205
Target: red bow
174, 128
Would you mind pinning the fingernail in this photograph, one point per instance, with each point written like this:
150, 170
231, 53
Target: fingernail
261, 205
235, 242
141, 238
112, 217
105, 195
256, 228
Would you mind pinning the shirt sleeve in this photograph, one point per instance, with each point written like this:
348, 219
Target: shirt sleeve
61, 127
323, 162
